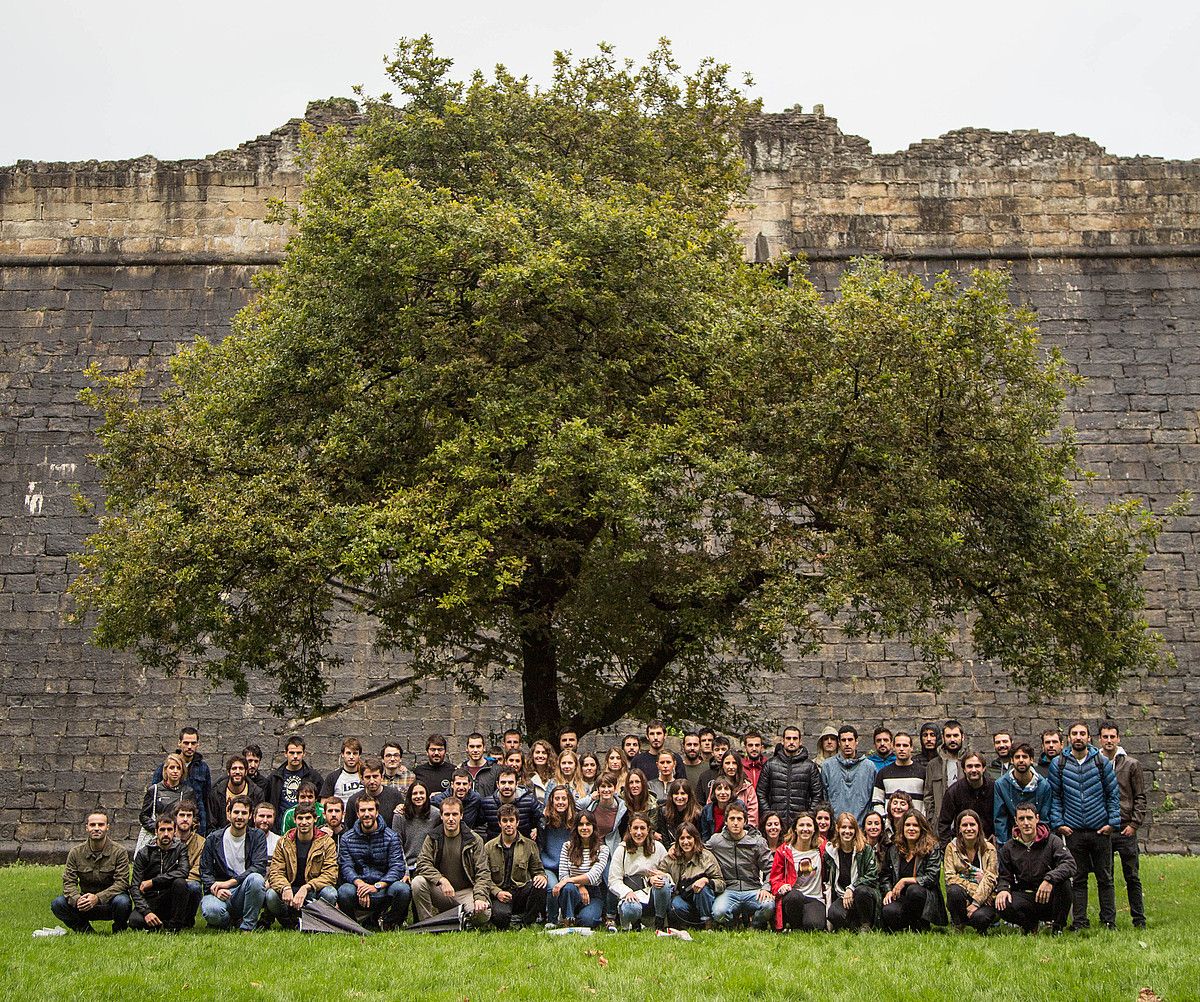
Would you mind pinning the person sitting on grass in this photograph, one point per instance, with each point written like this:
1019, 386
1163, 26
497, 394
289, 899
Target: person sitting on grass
1035, 871
193, 842
233, 871
308, 796
745, 863
554, 830
796, 878
577, 898
159, 887
971, 868
452, 870
305, 866
636, 879
372, 870
517, 877
873, 831
852, 876
95, 881
914, 870
695, 878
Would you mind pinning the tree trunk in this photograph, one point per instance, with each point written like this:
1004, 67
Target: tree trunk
539, 684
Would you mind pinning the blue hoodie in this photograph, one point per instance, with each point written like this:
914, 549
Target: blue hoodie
1010, 795
849, 784
1084, 795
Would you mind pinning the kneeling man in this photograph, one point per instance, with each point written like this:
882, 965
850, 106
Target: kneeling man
1035, 875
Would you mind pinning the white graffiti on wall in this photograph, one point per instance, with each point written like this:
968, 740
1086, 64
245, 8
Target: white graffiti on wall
34, 499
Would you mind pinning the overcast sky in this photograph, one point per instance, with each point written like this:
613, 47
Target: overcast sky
121, 78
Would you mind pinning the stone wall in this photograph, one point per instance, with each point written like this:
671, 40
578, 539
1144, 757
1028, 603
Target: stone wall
119, 263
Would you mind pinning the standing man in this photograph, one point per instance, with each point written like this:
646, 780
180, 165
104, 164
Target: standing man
233, 872
849, 779
902, 776
745, 863
753, 759
931, 738
373, 872
235, 783
790, 783
1034, 884
345, 782
656, 739
883, 754
252, 753
1085, 808
435, 772
482, 769
95, 881
283, 785
453, 869
631, 746
386, 798
707, 735
396, 774
304, 866
1020, 785
1052, 746
1131, 785
696, 766
195, 773
1002, 742
568, 740
944, 770
975, 791
472, 802
511, 740
518, 879
159, 886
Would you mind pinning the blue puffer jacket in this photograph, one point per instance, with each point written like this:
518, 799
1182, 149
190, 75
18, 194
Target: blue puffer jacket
1084, 795
376, 857
1009, 795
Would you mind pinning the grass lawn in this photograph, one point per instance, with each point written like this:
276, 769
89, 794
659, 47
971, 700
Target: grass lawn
532, 965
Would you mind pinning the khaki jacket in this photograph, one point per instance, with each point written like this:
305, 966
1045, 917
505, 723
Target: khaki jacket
320, 869
527, 862
979, 883
104, 873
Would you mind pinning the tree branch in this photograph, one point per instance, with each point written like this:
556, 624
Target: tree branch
362, 697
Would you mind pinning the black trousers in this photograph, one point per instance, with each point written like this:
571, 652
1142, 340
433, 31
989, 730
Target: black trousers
1093, 854
527, 904
1025, 911
907, 910
171, 904
1126, 847
803, 912
856, 916
957, 902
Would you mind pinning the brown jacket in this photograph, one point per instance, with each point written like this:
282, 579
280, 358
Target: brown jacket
195, 848
104, 873
981, 884
683, 875
320, 869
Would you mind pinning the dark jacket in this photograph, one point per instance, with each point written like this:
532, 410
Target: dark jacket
484, 782
647, 761
936, 783
159, 799
1131, 783
528, 814
929, 876
1023, 867
745, 864
386, 803
1008, 795
162, 867
273, 793
326, 789
214, 868
789, 784
962, 796
216, 801
436, 778
375, 858
864, 877
1084, 795
472, 810
104, 873
199, 778
474, 862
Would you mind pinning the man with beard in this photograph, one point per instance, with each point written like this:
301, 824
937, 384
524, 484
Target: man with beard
904, 775
386, 798
1002, 742
435, 773
1020, 785
930, 737
158, 887
790, 783
95, 881
372, 869
945, 770
974, 790
235, 783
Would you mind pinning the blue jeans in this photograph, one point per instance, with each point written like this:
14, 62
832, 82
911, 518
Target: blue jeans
118, 910
691, 908
632, 912
570, 907
242, 908
387, 906
733, 904
286, 915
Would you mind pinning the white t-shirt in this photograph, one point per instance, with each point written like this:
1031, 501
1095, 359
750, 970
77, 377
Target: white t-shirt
347, 785
235, 852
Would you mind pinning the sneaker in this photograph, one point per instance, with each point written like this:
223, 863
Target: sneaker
551, 925
462, 917
612, 927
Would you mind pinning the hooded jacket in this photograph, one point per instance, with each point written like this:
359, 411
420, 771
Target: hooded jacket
789, 784
1084, 795
320, 868
1008, 795
1023, 867
849, 784
745, 863
162, 867
1131, 783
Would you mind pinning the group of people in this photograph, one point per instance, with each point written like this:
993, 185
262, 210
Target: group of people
638, 836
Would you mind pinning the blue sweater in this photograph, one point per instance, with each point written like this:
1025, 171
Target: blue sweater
375, 858
550, 843
1010, 795
1084, 795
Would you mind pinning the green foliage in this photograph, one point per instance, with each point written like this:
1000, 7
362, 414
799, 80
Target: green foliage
516, 396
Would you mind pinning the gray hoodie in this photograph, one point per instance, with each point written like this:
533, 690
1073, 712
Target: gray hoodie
746, 863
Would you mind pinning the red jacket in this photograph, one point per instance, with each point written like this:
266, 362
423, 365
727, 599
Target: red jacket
783, 871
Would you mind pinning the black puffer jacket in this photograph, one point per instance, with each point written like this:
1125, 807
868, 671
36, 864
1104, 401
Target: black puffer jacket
789, 784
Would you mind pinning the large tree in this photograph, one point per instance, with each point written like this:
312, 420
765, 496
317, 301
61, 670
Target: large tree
515, 396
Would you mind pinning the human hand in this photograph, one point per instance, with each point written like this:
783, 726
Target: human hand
86, 902
1045, 889
153, 921
1002, 900
145, 885
585, 895
540, 881
299, 898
